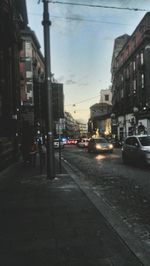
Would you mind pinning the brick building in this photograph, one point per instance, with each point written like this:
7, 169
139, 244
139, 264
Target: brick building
131, 82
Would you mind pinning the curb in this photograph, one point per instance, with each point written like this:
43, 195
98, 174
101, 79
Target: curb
136, 246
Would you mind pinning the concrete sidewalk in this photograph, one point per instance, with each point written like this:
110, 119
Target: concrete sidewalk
52, 222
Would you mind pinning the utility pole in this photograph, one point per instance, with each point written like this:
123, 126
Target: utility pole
48, 86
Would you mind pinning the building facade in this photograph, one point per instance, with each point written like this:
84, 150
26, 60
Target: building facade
72, 129
13, 19
131, 83
100, 121
31, 82
106, 96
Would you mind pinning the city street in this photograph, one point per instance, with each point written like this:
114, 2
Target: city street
124, 188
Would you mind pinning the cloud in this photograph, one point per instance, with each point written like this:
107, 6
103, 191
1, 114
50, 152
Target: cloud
84, 84
61, 79
70, 82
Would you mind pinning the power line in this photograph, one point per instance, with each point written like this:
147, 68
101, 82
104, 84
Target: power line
98, 6
80, 19
74, 104
88, 20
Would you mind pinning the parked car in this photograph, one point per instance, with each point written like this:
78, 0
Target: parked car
83, 143
100, 145
71, 141
57, 142
136, 149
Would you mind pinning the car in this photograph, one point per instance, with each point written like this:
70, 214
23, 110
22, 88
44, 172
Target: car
57, 142
71, 141
100, 144
136, 149
83, 143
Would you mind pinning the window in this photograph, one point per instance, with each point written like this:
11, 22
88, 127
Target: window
29, 87
134, 66
145, 141
121, 130
128, 141
142, 58
135, 142
106, 97
28, 65
134, 86
130, 131
142, 80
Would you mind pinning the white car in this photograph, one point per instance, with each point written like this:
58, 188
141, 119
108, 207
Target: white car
136, 149
83, 143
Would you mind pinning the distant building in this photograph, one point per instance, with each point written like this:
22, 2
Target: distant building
100, 120
106, 96
72, 129
32, 79
82, 129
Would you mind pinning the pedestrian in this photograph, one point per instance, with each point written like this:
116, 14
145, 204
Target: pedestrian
42, 153
27, 141
25, 149
32, 153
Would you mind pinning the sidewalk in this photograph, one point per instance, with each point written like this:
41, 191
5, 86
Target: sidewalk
53, 223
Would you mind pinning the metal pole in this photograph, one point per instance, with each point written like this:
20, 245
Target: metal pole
49, 116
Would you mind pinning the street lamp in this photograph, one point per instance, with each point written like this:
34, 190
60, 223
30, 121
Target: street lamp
49, 116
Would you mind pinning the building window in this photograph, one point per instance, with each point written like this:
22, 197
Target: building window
29, 87
142, 80
134, 66
130, 131
141, 58
134, 86
28, 49
121, 131
106, 97
28, 65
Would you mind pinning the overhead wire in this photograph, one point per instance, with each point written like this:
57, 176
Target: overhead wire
80, 19
74, 104
99, 6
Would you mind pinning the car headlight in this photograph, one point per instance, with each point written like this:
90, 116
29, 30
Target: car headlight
98, 146
110, 146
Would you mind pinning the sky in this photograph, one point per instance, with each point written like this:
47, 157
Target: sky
81, 44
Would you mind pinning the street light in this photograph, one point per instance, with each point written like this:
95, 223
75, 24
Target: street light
49, 116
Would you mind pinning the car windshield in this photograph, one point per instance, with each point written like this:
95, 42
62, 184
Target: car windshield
145, 141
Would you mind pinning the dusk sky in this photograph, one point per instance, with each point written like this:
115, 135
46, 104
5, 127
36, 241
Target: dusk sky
82, 40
